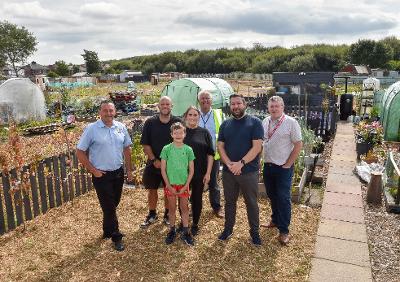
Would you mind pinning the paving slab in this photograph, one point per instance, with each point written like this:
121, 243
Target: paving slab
334, 184
332, 271
343, 199
348, 157
342, 230
344, 179
342, 251
342, 165
343, 169
336, 212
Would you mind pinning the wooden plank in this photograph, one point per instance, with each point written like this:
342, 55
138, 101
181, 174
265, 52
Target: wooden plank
49, 182
64, 179
82, 175
57, 180
42, 188
89, 181
70, 170
2, 218
8, 202
76, 175
26, 198
34, 191
17, 200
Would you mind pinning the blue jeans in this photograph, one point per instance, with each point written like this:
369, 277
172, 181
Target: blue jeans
214, 191
278, 183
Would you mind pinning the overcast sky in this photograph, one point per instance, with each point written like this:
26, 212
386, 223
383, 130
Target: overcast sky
120, 29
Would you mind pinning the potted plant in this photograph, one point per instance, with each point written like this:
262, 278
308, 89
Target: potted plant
367, 135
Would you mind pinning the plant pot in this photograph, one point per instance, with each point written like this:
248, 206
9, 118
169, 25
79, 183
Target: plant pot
363, 148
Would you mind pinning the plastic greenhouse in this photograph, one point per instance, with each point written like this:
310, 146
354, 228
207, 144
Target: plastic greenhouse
21, 99
183, 92
390, 113
371, 83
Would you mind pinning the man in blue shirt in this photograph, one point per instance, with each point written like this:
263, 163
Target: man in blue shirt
102, 149
239, 144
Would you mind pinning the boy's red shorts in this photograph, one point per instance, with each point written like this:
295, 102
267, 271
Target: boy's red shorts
178, 188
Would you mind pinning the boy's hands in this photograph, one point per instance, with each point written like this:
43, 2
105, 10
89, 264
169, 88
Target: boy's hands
171, 189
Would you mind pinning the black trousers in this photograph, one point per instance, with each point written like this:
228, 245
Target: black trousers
196, 198
108, 189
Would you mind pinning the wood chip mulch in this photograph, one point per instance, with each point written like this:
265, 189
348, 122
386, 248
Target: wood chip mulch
65, 245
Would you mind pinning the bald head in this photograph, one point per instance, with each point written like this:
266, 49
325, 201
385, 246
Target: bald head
165, 106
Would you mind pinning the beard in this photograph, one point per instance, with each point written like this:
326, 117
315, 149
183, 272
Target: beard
238, 113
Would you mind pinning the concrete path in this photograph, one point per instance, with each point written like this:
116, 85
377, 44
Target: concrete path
341, 251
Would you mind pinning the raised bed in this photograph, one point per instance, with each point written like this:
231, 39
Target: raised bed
391, 181
296, 192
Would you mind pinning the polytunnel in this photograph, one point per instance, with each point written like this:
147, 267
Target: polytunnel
183, 92
390, 113
22, 100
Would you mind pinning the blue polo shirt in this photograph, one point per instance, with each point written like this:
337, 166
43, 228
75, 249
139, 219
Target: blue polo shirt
238, 136
105, 144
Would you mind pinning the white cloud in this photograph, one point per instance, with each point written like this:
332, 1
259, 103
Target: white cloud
118, 29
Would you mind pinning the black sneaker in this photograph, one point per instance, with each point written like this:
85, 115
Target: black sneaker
150, 219
119, 246
180, 228
170, 237
188, 239
255, 239
225, 235
194, 230
166, 219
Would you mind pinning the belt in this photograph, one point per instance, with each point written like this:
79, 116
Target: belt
271, 164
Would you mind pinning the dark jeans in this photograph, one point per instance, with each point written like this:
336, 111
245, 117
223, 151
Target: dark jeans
196, 198
278, 183
108, 189
248, 185
214, 191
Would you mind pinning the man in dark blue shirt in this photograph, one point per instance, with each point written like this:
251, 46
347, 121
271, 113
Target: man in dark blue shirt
239, 144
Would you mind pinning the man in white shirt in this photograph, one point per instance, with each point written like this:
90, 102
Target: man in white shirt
282, 145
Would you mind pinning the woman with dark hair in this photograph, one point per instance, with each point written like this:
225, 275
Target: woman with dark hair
201, 142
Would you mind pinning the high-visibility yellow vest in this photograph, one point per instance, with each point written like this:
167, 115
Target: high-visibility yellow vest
218, 119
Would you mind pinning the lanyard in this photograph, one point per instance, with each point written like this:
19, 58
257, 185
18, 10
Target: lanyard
206, 120
270, 133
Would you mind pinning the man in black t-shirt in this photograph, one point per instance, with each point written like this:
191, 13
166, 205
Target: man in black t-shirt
156, 134
239, 144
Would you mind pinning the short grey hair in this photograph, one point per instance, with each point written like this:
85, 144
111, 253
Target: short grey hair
204, 92
276, 99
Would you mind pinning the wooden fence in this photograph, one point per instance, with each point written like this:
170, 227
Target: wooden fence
40, 187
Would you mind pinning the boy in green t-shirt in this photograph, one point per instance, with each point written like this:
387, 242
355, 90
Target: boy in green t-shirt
177, 170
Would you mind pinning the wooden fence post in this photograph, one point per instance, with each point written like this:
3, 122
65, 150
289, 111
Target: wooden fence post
8, 201
2, 218
57, 181
42, 188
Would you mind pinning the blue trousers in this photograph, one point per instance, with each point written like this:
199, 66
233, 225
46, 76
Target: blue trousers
278, 184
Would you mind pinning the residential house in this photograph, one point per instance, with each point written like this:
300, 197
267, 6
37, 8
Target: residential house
33, 69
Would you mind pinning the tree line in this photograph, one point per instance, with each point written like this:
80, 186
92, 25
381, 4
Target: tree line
383, 53
17, 44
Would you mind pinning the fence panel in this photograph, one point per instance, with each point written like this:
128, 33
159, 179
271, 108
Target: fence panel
57, 178
2, 218
17, 199
64, 180
49, 181
8, 201
77, 178
42, 187
26, 198
35, 198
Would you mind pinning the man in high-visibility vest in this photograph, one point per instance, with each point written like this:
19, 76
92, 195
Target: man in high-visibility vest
211, 119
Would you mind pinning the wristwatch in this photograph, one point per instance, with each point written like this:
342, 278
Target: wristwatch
242, 161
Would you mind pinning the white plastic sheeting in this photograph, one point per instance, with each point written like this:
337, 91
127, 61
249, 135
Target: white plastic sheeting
22, 99
371, 83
